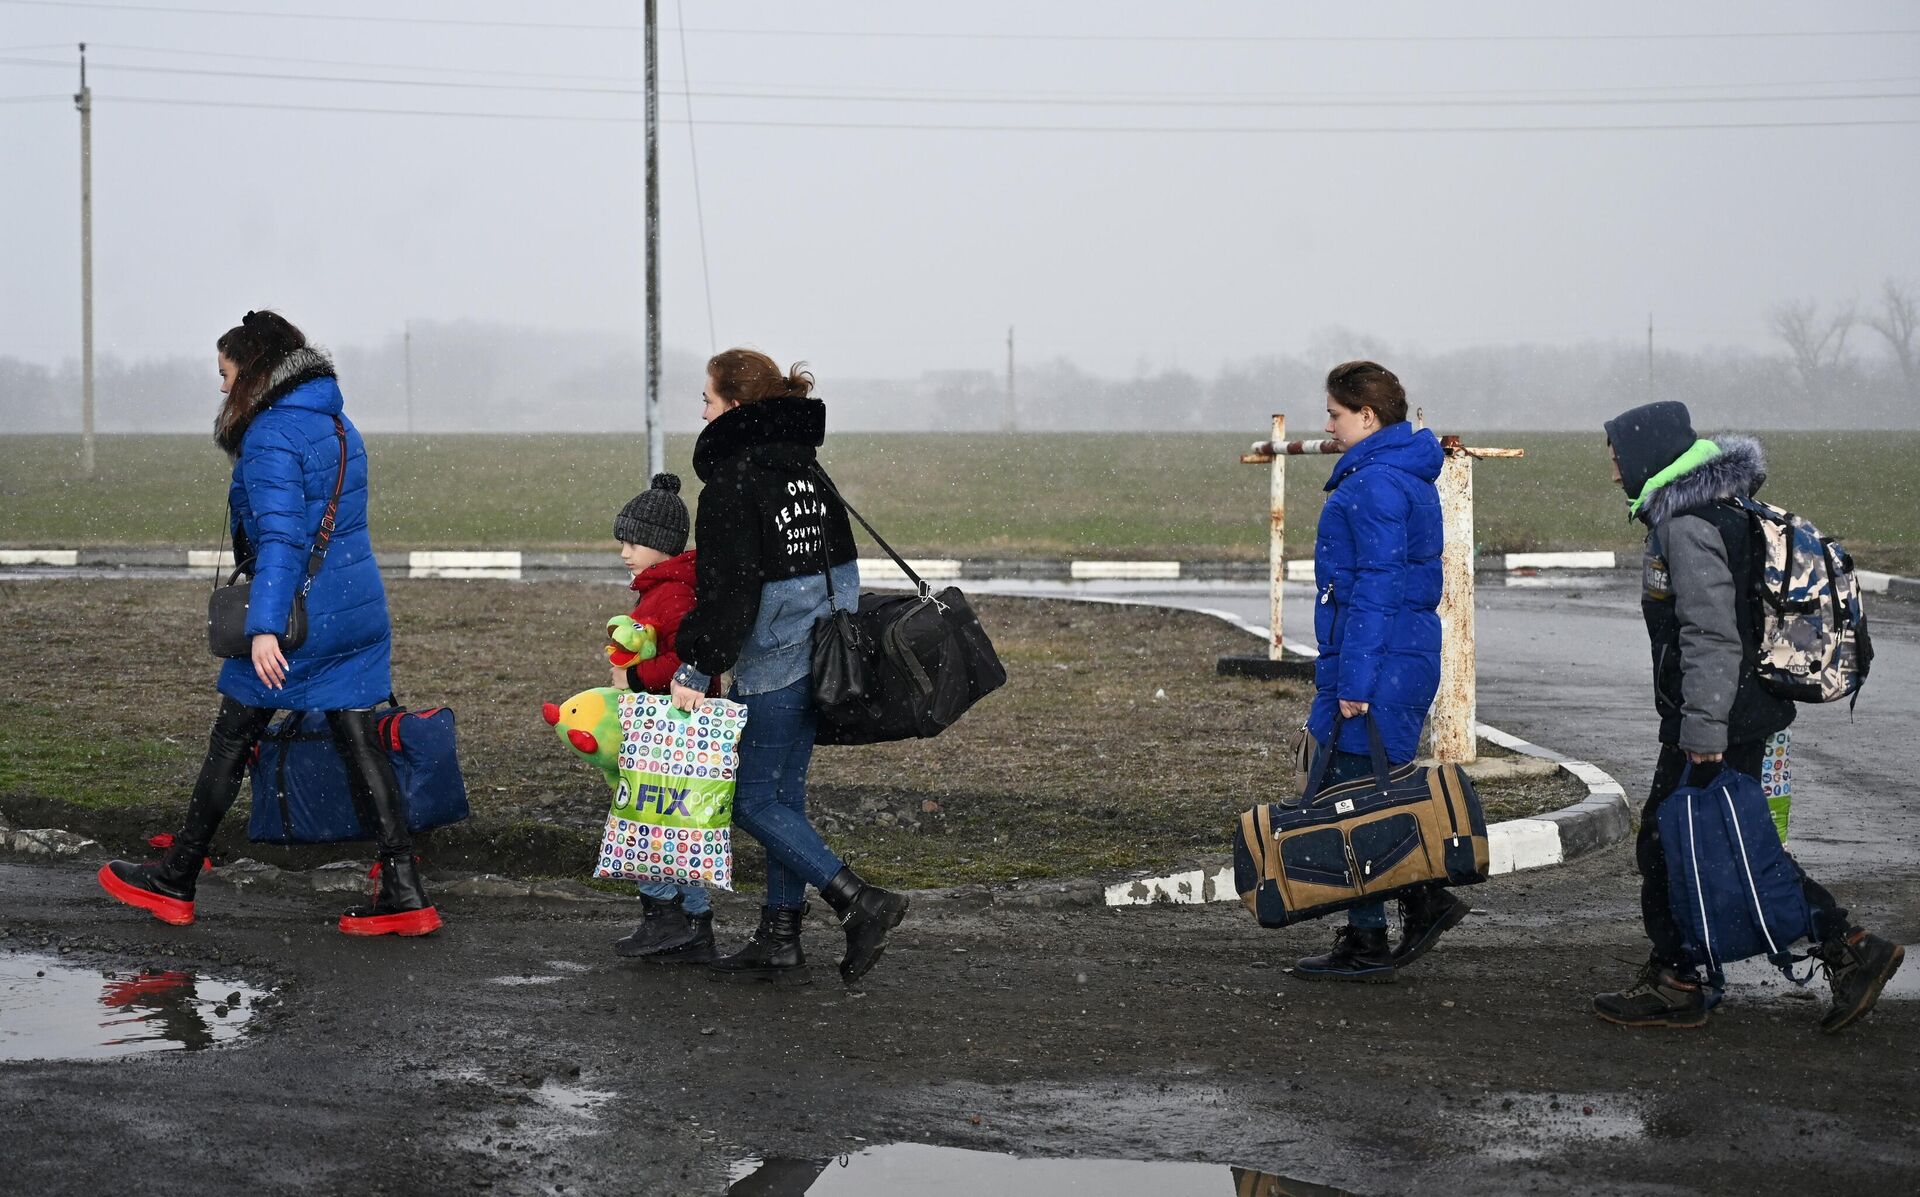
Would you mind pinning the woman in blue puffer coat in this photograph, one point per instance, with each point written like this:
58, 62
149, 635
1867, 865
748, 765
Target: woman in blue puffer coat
1376, 566
283, 425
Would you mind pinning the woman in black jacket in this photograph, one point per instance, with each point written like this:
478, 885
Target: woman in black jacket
767, 535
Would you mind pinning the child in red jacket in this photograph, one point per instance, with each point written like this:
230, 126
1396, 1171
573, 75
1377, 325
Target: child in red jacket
652, 530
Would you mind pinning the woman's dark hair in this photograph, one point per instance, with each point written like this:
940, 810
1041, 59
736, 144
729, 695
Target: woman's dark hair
1357, 385
749, 376
259, 343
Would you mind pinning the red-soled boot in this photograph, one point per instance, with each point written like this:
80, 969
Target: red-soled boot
400, 905
162, 888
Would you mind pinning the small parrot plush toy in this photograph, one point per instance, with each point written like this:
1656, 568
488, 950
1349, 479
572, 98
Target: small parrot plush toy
589, 724
629, 641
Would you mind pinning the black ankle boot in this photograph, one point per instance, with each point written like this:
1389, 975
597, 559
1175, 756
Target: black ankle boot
867, 913
1359, 954
692, 945
659, 922
771, 954
163, 888
1425, 915
400, 905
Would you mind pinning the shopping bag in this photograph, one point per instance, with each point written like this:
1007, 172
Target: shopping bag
673, 805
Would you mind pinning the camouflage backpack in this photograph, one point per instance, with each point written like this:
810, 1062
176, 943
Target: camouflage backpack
1813, 628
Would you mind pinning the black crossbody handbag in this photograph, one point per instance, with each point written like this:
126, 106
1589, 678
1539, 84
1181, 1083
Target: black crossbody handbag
227, 606
899, 667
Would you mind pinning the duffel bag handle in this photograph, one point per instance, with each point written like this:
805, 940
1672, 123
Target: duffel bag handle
1323, 758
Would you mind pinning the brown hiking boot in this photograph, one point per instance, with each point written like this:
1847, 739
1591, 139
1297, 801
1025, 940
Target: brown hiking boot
1858, 966
1659, 997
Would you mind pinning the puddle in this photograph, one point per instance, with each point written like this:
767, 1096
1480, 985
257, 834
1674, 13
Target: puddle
1756, 980
526, 979
573, 1099
928, 1171
52, 1008
1528, 1126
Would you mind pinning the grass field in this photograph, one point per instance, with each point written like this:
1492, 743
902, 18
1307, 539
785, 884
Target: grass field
1112, 746
1179, 496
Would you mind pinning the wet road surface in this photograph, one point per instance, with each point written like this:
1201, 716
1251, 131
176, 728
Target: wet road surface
513, 1053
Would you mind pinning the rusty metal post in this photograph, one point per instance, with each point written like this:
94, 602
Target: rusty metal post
1454, 707
1277, 542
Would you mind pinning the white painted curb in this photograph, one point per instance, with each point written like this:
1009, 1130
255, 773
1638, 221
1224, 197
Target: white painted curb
930, 569
430, 564
61, 557
1560, 561
1124, 571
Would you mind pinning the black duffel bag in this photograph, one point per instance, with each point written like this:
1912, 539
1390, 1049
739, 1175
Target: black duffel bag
900, 666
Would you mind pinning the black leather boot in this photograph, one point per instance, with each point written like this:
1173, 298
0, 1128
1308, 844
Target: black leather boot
400, 905
692, 944
1359, 954
1426, 915
659, 921
867, 913
771, 954
163, 888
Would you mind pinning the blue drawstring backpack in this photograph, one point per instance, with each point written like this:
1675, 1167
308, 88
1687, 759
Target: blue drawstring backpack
300, 793
1733, 890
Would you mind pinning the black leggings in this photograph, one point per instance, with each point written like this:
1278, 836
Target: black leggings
370, 778
1829, 918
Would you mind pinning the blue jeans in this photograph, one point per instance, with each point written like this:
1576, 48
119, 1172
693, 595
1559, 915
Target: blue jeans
770, 792
1351, 766
695, 897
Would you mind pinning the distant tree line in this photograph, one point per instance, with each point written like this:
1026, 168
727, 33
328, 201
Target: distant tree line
1846, 364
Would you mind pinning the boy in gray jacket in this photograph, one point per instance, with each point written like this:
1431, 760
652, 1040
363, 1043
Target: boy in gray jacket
1697, 587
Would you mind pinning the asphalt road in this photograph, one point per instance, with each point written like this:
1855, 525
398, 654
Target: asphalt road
513, 1054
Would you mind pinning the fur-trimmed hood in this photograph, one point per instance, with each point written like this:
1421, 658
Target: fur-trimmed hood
1738, 471
302, 366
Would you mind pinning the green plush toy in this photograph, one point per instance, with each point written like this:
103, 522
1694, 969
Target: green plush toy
629, 641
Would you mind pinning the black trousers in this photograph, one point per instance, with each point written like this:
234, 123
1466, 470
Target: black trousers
370, 778
1829, 917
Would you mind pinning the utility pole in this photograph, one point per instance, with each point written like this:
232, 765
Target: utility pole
1013, 420
656, 435
1649, 355
406, 343
83, 100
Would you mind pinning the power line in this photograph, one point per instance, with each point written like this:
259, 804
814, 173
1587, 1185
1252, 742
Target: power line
1222, 96
996, 35
986, 128
909, 97
699, 209
32, 99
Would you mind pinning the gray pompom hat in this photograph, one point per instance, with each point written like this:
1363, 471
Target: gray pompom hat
656, 517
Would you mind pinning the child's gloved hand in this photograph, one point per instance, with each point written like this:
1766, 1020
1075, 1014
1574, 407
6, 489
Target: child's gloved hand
629, 641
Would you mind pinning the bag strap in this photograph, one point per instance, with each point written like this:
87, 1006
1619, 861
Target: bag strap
323, 539
926, 591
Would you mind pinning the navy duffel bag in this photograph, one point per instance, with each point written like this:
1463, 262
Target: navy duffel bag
300, 793
1732, 888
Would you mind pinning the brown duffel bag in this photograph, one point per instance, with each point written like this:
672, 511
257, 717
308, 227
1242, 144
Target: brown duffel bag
1375, 837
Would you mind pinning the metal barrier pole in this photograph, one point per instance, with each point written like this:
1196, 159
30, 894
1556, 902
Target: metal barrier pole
1277, 539
1454, 707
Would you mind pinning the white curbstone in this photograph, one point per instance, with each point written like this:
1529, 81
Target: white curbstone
452, 564
882, 570
1124, 571
62, 557
1595, 560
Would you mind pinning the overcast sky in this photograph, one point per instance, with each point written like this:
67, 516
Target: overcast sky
1305, 181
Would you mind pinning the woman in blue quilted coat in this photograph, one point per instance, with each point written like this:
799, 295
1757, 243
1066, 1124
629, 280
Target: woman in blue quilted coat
283, 425
1376, 567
